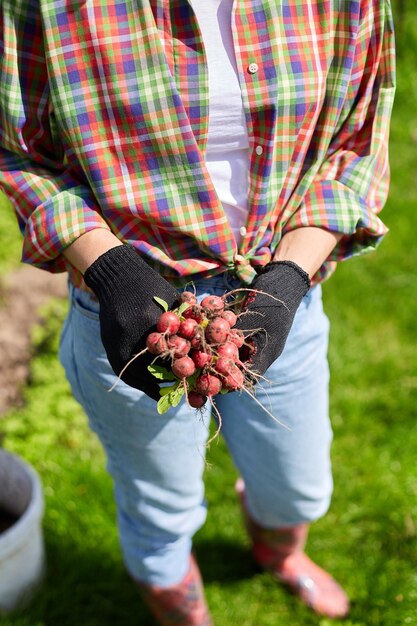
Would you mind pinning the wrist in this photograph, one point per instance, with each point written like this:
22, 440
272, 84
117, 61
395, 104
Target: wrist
308, 247
85, 250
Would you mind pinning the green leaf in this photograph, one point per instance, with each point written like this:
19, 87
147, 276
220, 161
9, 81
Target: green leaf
183, 306
164, 404
177, 395
161, 302
161, 372
164, 391
170, 396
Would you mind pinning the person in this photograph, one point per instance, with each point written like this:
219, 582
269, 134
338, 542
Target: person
148, 146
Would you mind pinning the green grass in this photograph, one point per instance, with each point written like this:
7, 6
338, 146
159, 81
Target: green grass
10, 240
368, 538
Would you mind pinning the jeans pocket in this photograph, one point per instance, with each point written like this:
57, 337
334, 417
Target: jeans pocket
86, 304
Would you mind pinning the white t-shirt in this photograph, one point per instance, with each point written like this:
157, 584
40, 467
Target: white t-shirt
228, 147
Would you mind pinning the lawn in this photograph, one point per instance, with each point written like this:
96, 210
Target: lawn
368, 538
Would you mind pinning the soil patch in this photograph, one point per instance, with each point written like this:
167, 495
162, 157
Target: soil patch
22, 293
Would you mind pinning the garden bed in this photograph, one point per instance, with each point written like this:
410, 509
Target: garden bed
23, 292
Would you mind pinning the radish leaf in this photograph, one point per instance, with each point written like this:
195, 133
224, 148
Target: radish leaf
177, 394
161, 302
164, 391
183, 306
170, 396
163, 405
161, 372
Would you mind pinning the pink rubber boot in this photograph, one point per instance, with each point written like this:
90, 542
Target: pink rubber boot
182, 604
281, 551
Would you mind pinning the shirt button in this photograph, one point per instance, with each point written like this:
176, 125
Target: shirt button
259, 150
242, 231
253, 68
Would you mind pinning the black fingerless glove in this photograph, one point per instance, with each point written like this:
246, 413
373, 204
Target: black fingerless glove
125, 286
273, 316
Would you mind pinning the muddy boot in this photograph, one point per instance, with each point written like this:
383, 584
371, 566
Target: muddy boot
182, 604
281, 551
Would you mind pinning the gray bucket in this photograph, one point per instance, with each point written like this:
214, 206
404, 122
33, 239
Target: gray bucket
22, 554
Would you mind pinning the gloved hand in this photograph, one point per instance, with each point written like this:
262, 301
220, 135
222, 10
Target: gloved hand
125, 286
286, 282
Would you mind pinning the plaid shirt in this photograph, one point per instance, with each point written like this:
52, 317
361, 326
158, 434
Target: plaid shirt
104, 121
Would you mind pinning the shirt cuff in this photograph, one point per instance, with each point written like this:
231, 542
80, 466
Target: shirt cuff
333, 206
54, 225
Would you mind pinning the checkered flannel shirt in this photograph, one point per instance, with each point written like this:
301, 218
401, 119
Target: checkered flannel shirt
104, 121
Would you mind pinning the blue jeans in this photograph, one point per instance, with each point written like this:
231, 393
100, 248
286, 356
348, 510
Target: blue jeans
157, 461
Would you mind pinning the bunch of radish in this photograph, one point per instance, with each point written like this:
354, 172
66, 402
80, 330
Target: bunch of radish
196, 348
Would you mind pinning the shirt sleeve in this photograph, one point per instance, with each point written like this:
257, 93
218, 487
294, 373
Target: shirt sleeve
351, 184
53, 205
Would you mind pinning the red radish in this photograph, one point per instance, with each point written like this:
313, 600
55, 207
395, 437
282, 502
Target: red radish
202, 347
196, 400
178, 346
217, 330
189, 297
234, 380
168, 323
156, 343
188, 328
224, 365
198, 340
208, 385
194, 312
230, 317
228, 349
237, 337
183, 367
200, 358
214, 305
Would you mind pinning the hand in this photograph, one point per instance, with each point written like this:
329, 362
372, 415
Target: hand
125, 286
268, 315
